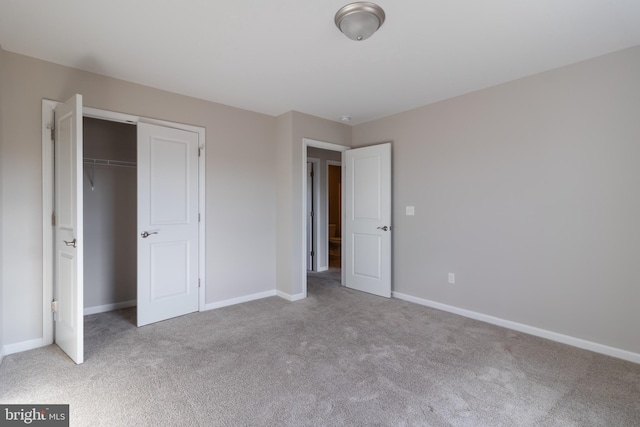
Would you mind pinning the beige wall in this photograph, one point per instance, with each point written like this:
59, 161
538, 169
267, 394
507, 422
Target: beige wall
240, 182
1, 210
528, 192
292, 128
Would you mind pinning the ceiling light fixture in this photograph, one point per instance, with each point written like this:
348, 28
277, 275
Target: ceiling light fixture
345, 119
359, 20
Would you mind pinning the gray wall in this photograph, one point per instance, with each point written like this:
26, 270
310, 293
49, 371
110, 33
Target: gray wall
110, 220
292, 128
529, 193
1, 204
241, 182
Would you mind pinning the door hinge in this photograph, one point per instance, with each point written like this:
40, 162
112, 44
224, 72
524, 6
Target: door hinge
53, 133
53, 219
198, 216
198, 282
54, 306
313, 253
313, 174
199, 151
311, 213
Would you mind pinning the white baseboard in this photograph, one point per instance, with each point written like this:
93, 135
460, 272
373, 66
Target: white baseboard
239, 300
292, 298
109, 307
323, 268
531, 330
23, 346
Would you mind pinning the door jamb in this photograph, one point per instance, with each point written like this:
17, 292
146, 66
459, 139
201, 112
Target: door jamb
307, 142
48, 108
315, 222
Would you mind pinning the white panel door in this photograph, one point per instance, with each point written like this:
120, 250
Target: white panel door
167, 223
368, 219
68, 286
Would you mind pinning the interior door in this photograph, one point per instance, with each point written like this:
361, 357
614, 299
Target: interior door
68, 285
167, 223
367, 183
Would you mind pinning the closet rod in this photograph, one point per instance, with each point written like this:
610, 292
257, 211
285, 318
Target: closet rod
104, 162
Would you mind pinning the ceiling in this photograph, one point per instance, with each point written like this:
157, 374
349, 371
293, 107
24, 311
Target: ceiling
280, 55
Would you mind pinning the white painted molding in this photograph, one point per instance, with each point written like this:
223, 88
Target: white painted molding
239, 300
324, 268
292, 298
531, 330
109, 307
23, 346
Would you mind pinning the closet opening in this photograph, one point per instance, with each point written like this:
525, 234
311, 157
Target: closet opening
110, 215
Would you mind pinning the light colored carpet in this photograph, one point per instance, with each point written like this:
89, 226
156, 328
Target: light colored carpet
339, 357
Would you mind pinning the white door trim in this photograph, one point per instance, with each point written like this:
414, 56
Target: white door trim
307, 142
316, 204
48, 107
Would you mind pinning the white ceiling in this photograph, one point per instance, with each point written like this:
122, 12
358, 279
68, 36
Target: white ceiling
280, 55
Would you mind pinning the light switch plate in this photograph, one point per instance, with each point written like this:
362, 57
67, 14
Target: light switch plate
411, 210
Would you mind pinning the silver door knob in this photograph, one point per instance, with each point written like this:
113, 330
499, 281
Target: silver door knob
73, 243
383, 228
146, 234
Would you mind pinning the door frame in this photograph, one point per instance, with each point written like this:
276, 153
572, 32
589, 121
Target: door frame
307, 142
316, 220
48, 107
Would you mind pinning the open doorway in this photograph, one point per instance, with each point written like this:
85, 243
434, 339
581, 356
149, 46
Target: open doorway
326, 221
323, 204
365, 238
110, 215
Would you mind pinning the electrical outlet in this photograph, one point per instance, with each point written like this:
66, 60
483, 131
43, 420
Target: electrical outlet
452, 278
411, 210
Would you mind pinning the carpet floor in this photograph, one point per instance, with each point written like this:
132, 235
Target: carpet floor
338, 358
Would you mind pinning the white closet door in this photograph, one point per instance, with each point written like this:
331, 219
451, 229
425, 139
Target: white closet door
167, 223
68, 287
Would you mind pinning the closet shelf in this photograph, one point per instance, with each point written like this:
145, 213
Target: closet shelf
91, 173
105, 162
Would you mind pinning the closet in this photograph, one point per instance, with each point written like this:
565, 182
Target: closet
110, 217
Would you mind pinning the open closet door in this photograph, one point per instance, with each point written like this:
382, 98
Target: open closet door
368, 219
167, 223
68, 286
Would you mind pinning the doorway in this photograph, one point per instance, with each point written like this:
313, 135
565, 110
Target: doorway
109, 205
324, 154
323, 202
365, 242
177, 149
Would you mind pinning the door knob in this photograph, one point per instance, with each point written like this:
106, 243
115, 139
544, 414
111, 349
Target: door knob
146, 234
73, 243
383, 228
